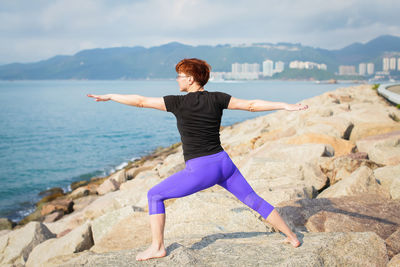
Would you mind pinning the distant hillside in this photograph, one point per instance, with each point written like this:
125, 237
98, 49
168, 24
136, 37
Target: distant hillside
158, 62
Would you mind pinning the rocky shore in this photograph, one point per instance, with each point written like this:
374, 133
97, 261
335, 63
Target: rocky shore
332, 171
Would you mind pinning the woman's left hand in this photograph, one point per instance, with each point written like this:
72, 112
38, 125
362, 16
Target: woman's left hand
295, 107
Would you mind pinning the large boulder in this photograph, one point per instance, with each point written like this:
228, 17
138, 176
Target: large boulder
340, 146
77, 240
250, 249
125, 233
383, 148
210, 212
96, 208
134, 192
171, 164
389, 178
339, 168
393, 243
360, 181
362, 213
105, 223
16, 245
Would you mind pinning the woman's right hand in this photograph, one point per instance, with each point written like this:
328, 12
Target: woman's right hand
100, 97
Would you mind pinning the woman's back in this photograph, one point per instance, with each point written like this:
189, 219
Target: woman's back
198, 117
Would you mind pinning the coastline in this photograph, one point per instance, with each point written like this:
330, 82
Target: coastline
330, 171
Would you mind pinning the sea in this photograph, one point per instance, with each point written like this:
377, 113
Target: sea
52, 134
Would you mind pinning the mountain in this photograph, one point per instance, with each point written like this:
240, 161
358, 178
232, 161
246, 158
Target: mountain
158, 62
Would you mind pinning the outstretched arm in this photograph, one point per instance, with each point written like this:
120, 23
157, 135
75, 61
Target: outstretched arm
262, 105
133, 100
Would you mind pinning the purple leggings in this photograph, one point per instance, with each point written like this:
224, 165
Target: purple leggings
201, 173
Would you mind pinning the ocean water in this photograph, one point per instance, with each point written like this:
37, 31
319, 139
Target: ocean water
52, 134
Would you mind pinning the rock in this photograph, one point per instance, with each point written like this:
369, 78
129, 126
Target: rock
105, 223
16, 246
49, 198
360, 181
250, 249
270, 170
4, 232
51, 191
54, 216
78, 240
358, 155
340, 146
363, 130
119, 177
134, 192
210, 212
363, 213
339, 168
394, 262
79, 192
383, 148
172, 164
393, 243
78, 184
6, 224
389, 178
131, 173
83, 202
95, 209
64, 205
129, 232
294, 154
333, 126
34, 216
109, 185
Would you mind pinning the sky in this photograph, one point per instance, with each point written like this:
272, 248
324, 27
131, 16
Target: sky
31, 31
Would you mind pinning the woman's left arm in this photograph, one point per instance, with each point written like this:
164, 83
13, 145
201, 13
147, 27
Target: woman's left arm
133, 100
262, 105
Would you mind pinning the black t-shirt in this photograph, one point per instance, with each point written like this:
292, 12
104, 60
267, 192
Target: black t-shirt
198, 116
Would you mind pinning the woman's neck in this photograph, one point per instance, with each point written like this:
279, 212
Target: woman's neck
195, 88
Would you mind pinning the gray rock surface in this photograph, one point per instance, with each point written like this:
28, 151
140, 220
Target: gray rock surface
251, 249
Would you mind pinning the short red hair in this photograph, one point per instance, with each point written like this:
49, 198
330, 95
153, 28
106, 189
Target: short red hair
199, 69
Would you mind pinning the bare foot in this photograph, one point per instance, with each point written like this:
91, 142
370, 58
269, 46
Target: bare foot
293, 241
151, 252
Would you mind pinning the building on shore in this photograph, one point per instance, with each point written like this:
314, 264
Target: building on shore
268, 68
347, 70
366, 69
362, 69
385, 64
370, 68
279, 66
392, 63
306, 65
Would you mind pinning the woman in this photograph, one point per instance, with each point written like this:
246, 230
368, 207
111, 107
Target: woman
198, 115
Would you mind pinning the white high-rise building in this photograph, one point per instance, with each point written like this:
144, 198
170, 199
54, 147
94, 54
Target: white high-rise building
370, 68
279, 66
392, 63
268, 68
362, 68
236, 68
250, 68
385, 64
398, 64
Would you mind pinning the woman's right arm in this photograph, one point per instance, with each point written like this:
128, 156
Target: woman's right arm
133, 100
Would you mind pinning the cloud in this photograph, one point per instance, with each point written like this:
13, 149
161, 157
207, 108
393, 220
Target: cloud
34, 30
